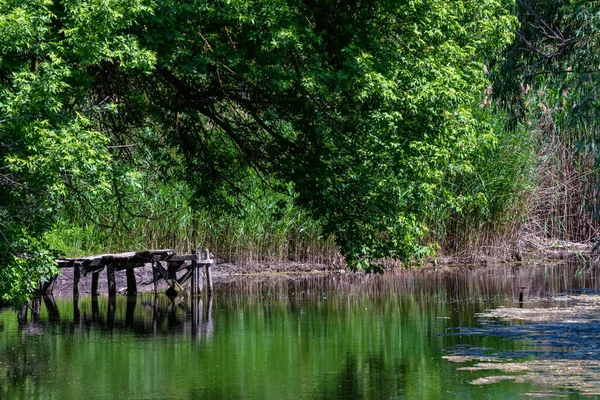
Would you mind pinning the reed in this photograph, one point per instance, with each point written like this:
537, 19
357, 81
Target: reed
566, 203
262, 231
497, 193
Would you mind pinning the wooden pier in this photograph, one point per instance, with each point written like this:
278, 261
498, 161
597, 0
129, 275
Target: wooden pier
165, 265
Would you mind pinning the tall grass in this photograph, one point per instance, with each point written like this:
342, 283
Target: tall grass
566, 202
497, 195
262, 231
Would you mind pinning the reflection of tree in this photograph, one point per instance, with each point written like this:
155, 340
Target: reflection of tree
20, 365
369, 378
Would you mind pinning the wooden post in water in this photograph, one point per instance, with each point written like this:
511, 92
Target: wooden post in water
130, 311
76, 278
110, 313
155, 316
95, 276
112, 285
53, 314
76, 312
35, 309
131, 283
209, 284
197, 317
95, 309
155, 276
194, 267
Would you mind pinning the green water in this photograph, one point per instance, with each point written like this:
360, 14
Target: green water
316, 337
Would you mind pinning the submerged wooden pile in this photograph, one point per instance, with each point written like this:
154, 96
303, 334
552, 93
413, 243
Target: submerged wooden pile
165, 265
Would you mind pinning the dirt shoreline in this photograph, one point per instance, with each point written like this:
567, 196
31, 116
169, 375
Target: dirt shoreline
220, 273
528, 253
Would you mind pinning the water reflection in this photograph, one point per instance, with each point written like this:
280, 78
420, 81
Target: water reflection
303, 337
148, 314
141, 314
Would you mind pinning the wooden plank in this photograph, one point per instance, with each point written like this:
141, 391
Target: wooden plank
161, 270
93, 268
153, 253
185, 277
99, 257
183, 257
47, 286
130, 263
96, 262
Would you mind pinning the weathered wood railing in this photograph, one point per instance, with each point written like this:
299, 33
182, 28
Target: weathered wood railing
165, 264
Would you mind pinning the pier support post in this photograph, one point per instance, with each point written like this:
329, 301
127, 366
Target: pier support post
194, 267
35, 309
110, 313
155, 316
130, 311
209, 283
76, 278
95, 276
112, 285
76, 312
53, 314
155, 275
131, 283
95, 308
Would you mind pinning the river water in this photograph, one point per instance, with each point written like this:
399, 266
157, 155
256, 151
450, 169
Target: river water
419, 334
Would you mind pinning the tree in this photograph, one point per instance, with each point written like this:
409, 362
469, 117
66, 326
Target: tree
51, 138
364, 106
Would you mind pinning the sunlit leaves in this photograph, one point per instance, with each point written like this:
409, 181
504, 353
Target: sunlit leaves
51, 141
365, 108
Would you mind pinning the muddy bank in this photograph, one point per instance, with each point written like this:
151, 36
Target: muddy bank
220, 273
531, 251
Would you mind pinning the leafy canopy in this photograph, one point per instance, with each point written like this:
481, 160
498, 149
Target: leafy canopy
365, 107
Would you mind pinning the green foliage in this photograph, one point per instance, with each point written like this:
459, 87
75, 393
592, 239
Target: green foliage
362, 110
50, 139
493, 199
264, 227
